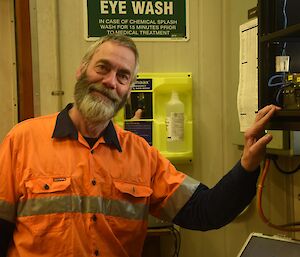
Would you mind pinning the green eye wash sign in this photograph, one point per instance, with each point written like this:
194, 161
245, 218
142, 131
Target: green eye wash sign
139, 19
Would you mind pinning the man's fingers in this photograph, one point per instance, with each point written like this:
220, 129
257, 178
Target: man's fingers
262, 118
264, 140
256, 144
266, 112
256, 140
262, 112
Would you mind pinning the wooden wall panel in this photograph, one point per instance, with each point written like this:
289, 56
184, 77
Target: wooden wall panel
24, 60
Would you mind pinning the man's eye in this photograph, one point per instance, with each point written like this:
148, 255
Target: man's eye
102, 69
123, 78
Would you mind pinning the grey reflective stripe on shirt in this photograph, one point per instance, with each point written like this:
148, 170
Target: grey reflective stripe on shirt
7, 211
179, 198
82, 204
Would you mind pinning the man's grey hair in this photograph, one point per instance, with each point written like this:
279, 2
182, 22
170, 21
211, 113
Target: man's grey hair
119, 39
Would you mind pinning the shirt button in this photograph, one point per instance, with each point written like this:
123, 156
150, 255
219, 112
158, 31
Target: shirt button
96, 253
46, 187
93, 182
94, 218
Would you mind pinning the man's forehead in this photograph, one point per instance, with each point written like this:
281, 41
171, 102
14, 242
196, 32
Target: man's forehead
112, 44
109, 48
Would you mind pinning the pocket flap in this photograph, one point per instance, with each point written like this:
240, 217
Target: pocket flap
48, 185
133, 189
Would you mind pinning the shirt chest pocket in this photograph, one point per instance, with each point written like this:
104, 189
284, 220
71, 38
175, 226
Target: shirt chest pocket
48, 185
130, 201
47, 206
132, 191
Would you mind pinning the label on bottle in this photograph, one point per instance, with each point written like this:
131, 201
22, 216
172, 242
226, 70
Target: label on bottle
175, 126
168, 120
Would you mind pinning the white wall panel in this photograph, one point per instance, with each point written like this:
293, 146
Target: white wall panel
46, 55
8, 101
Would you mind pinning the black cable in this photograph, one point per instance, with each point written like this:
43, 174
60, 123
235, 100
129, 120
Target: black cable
293, 224
284, 171
177, 241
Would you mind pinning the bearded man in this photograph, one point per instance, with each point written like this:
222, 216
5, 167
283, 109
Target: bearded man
75, 184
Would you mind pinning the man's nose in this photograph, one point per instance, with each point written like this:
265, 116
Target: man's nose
110, 80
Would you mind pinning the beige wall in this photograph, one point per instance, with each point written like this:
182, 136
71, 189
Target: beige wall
8, 105
211, 55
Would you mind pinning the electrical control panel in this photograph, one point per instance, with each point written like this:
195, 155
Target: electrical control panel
279, 61
291, 92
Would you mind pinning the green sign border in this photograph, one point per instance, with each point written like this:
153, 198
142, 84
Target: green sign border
141, 27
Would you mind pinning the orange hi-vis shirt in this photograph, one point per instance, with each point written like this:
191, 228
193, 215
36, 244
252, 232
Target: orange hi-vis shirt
68, 199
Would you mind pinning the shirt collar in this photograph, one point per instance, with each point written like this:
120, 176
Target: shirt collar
64, 127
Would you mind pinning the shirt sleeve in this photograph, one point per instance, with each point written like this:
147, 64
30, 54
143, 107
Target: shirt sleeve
213, 208
171, 188
8, 180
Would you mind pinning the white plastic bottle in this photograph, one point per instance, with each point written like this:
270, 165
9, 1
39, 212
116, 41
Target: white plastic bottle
175, 124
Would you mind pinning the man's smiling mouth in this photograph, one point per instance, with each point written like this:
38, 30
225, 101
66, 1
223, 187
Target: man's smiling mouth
103, 95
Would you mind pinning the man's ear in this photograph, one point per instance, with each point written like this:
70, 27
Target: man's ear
80, 70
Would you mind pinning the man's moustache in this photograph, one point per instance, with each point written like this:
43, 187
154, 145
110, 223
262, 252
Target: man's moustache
100, 89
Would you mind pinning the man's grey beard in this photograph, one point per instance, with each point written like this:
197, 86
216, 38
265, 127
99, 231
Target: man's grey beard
93, 107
